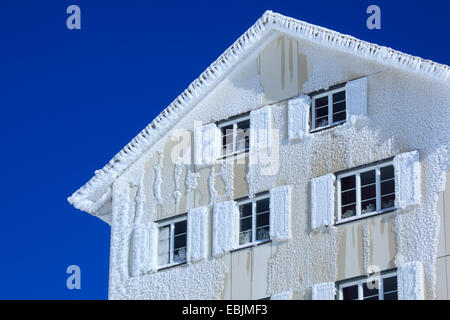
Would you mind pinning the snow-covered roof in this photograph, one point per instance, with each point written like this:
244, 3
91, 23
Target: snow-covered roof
93, 195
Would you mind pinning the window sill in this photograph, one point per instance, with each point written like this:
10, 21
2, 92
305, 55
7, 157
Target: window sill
362, 217
327, 127
251, 245
233, 156
168, 266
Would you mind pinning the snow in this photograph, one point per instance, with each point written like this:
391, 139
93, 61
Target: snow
407, 179
260, 132
324, 291
410, 281
197, 236
356, 98
158, 178
298, 117
280, 209
144, 253
225, 227
191, 179
282, 296
322, 201
207, 144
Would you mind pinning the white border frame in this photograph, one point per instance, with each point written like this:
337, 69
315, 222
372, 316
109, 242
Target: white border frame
330, 108
171, 222
357, 173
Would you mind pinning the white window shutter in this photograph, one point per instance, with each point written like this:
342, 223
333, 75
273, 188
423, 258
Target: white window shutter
280, 213
322, 201
225, 227
197, 237
356, 98
298, 117
260, 131
324, 291
144, 249
410, 280
286, 295
207, 144
407, 179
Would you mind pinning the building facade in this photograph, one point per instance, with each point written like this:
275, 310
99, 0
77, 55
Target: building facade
302, 164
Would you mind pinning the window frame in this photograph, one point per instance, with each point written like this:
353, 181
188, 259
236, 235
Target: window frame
234, 121
171, 222
253, 200
362, 280
328, 93
356, 172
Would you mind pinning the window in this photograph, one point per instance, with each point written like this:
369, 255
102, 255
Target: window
254, 223
365, 192
328, 108
383, 287
172, 238
235, 136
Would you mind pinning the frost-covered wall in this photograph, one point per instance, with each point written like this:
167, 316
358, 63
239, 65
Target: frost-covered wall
405, 112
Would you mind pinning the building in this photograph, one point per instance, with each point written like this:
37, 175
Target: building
301, 164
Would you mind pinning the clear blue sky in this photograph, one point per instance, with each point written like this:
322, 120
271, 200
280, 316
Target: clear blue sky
71, 99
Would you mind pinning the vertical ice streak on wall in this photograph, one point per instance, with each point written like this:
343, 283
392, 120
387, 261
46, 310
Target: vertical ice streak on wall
227, 173
176, 177
366, 246
212, 186
191, 179
158, 179
120, 236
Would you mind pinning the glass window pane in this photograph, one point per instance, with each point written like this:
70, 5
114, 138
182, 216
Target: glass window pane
348, 211
388, 201
341, 116
262, 205
321, 122
339, 96
368, 206
246, 224
245, 210
245, 237
180, 227
320, 102
163, 259
244, 125
348, 197
390, 296
164, 245
387, 187
179, 255
367, 177
321, 112
350, 293
370, 290
368, 192
339, 107
262, 220
390, 284
348, 183
387, 172
262, 233
180, 241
